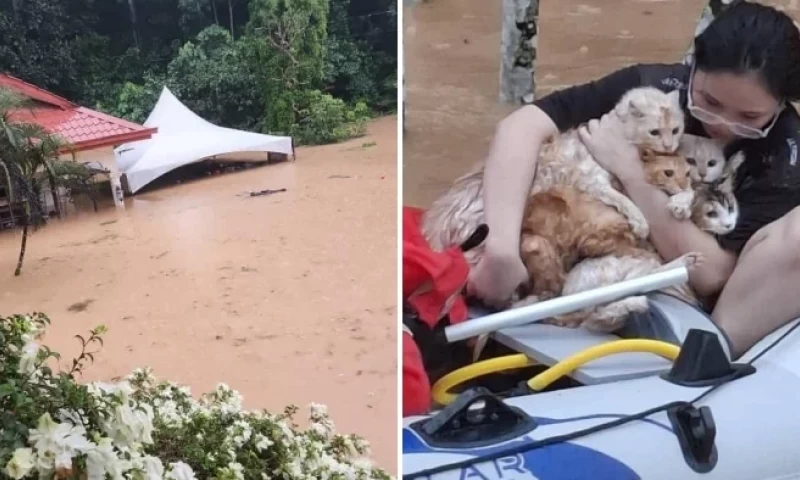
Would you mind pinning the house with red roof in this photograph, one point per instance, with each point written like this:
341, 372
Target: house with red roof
92, 135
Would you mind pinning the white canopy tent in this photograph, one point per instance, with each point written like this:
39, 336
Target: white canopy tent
183, 138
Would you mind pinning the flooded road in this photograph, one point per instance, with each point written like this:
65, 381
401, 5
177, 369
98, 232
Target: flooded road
288, 298
452, 68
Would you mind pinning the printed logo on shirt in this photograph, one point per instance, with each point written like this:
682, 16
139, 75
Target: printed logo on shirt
673, 82
792, 151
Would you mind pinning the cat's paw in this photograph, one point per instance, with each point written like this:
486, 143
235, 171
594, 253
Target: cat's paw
524, 302
640, 228
680, 205
692, 260
569, 320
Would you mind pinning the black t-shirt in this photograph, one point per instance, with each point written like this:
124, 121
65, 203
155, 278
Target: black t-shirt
768, 182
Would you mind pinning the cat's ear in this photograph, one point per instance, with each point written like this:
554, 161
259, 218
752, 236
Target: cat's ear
675, 97
634, 109
647, 154
726, 183
729, 171
734, 163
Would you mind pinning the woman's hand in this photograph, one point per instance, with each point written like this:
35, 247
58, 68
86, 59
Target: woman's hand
496, 276
605, 140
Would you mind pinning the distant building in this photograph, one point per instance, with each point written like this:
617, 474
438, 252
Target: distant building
91, 134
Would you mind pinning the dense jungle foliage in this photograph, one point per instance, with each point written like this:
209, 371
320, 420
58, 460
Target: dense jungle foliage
314, 69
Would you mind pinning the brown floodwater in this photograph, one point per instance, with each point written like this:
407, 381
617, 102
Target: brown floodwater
452, 69
289, 298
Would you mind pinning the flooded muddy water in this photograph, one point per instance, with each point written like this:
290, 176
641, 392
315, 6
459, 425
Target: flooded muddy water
452, 69
288, 298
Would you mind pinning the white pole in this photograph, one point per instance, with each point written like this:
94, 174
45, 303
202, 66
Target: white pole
565, 304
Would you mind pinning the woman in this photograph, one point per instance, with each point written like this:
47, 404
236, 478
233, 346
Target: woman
746, 70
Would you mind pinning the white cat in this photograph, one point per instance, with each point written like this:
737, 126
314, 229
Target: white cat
714, 210
650, 118
706, 158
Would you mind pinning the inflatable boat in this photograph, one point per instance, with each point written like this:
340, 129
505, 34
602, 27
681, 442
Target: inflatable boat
665, 402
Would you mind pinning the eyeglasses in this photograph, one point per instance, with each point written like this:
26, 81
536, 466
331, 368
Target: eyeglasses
738, 129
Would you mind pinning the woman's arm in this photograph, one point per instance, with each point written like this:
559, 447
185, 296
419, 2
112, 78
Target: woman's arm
507, 178
673, 238
511, 164
510, 168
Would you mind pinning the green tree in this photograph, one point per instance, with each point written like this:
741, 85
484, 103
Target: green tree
40, 41
214, 80
26, 156
286, 46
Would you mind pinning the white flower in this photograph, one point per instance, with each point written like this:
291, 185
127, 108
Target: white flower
64, 459
27, 361
131, 424
239, 433
153, 468
263, 443
234, 471
287, 432
71, 416
58, 443
180, 471
21, 463
168, 412
321, 422
102, 460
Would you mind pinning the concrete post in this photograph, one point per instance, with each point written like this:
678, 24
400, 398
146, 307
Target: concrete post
519, 41
116, 190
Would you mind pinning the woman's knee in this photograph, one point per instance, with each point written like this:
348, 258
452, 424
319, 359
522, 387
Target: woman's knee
782, 237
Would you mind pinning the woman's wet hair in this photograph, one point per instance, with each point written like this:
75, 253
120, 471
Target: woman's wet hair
750, 37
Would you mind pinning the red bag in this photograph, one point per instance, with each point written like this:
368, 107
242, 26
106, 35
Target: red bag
432, 286
432, 281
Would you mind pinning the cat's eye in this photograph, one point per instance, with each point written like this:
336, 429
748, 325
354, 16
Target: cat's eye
711, 163
675, 130
687, 174
655, 133
669, 173
691, 161
712, 214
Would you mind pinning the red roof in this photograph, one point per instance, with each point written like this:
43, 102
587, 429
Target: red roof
82, 127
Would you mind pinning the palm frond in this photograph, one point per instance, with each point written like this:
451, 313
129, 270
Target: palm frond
11, 100
6, 176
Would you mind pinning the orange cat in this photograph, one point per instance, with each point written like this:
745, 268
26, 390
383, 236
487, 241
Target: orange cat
564, 225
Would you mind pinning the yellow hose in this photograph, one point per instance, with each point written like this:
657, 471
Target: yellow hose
441, 389
575, 361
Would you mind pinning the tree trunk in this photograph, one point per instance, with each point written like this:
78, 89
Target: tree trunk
24, 243
54, 192
92, 194
134, 22
520, 38
214, 9
230, 15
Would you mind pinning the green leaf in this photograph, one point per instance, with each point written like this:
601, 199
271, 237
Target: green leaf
6, 389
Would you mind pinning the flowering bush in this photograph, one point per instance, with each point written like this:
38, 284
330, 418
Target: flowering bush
141, 429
